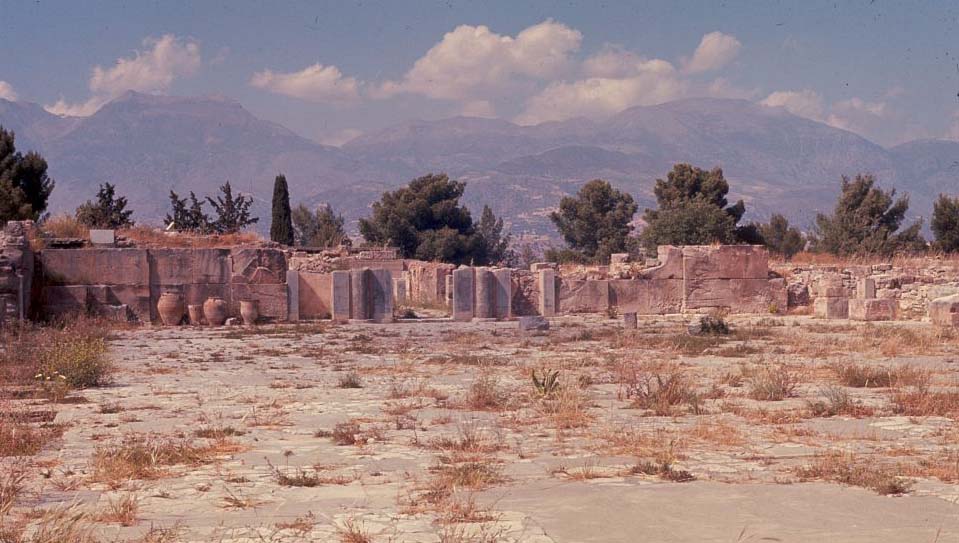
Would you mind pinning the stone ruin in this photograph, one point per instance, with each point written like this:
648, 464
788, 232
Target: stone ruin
375, 286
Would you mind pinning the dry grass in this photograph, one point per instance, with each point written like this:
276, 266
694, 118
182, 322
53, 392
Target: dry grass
64, 225
836, 401
771, 383
486, 394
659, 387
869, 376
12, 478
122, 511
849, 469
351, 532
350, 379
145, 236
923, 401
21, 439
70, 353
146, 457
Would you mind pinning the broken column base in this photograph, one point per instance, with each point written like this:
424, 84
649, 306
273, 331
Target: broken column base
875, 309
831, 308
945, 311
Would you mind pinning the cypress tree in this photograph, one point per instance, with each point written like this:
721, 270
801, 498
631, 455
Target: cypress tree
281, 230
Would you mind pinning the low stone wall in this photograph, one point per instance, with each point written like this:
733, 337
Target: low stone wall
112, 280
911, 283
315, 295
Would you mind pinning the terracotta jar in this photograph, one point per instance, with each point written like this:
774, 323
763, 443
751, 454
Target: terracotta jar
170, 307
250, 311
215, 311
195, 311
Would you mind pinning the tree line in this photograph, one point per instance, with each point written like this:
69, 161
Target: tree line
425, 219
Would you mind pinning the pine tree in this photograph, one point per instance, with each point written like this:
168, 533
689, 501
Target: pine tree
108, 211
945, 224
24, 185
324, 228
188, 218
232, 214
281, 229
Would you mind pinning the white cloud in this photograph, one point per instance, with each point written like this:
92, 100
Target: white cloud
723, 88
860, 116
316, 83
715, 51
151, 70
7, 92
804, 103
473, 63
655, 82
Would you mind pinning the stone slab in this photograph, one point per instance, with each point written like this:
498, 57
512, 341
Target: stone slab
293, 295
360, 309
547, 292
502, 293
316, 295
583, 296
483, 288
944, 311
462, 306
532, 323
647, 296
103, 237
381, 295
725, 262
873, 310
866, 288
98, 266
629, 321
340, 296
831, 308
258, 265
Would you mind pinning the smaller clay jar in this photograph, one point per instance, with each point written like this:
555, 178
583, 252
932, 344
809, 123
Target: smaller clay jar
196, 314
215, 311
250, 311
170, 307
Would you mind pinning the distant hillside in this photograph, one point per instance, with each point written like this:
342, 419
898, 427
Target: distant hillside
777, 161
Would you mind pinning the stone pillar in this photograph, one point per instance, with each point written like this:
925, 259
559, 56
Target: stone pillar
547, 292
380, 295
293, 295
462, 309
866, 288
3, 311
400, 289
340, 296
483, 284
503, 293
629, 321
360, 294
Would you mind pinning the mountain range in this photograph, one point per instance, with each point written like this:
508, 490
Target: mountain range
776, 161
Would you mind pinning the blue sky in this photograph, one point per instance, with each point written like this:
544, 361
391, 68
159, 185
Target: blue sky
330, 70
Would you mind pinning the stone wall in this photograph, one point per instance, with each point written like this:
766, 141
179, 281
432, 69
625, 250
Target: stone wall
427, 283
114, 281
912, 283
315, 295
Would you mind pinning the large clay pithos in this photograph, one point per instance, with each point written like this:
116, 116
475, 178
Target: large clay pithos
250, 311
215, 311
170, 307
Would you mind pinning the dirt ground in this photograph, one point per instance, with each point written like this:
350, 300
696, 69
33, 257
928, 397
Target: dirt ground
786, 429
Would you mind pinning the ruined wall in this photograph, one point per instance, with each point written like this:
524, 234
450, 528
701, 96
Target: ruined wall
427, 283
16, 271
128, 282
912, 283
687, 279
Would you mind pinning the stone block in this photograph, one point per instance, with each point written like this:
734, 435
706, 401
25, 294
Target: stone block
66, 300
462, 307
103, 237
272, 299
646, 296
629, 321
360, 295
258, 265
340, 296
400, 289
866, 288
797, 295
670, 266
831, 308
945, 311
533, 323
502, 293
104, 266
293, 295
381, 295
448, 294
725, 262
874, 309
583, 296
483, 299
316, 291
547, 293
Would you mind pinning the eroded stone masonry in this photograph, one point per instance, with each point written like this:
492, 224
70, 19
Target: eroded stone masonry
127, 283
